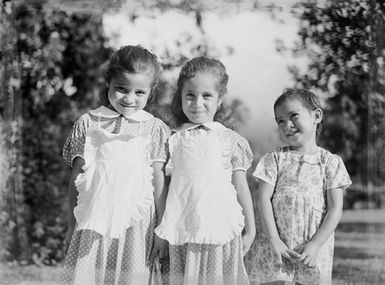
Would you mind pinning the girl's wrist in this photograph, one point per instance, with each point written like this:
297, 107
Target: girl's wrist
273, 239
316, 243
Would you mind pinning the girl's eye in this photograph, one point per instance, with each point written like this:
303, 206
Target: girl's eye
294, 115
207, 95
190, 95
140, 92
121, 89
279, 122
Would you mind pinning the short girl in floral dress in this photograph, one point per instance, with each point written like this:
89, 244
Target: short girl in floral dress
299, 199
117, 153
209, 202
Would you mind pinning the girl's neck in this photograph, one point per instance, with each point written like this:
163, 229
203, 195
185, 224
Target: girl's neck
310, 148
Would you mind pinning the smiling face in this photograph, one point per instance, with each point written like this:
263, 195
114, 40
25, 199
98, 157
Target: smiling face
129, 92
200, 99
297, 125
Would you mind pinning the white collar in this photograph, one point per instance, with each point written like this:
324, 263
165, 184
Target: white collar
210, 126
138, 116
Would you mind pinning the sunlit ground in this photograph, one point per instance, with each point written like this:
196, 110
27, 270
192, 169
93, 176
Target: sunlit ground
359, 254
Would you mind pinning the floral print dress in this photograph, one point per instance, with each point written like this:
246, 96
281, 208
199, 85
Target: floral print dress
299, 205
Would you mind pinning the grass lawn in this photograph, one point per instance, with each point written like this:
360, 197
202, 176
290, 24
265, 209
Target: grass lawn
359, 255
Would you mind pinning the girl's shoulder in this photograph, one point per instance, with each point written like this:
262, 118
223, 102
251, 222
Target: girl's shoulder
84, 120
159, 126
234, 136
328, 158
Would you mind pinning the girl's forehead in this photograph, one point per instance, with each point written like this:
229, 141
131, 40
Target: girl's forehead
202, 77
291, 103
129, 77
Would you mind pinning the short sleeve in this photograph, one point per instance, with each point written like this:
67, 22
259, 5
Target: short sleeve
336, 174
74, 144
242, 155
159, 136
267, 169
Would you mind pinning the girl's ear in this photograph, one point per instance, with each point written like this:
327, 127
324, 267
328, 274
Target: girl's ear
318, 115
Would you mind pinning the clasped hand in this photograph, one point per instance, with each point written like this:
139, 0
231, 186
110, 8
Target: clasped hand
307, 253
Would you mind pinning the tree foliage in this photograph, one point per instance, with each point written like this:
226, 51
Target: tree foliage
58, 57
344, 41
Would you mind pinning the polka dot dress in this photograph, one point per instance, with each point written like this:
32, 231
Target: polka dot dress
197, 264
93, 258
203, 220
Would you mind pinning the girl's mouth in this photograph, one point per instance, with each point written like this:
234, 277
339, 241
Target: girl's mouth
291, 133
125, 105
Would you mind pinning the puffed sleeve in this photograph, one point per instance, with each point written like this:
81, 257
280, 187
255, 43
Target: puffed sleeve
336, 174
267, 168
159, 136
242, 156
74, 144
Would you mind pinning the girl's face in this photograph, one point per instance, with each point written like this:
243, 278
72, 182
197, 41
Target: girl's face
128, 92
200, 100
297, 124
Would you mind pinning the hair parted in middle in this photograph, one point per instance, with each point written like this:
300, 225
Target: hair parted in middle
308, 99
130, 59
189, 70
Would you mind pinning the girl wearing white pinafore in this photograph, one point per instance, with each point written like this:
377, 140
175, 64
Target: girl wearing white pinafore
208, 204
115, 208
117, 153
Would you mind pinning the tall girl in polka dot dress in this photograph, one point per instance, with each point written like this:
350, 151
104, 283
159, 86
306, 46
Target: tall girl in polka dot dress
299, 199
208, 219
117, 154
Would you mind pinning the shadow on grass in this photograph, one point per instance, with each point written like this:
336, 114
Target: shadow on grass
361, 227
357, 253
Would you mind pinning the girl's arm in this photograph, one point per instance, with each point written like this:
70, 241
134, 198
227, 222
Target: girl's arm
160, 194
77, 165
333, 216
244, 198
265, 210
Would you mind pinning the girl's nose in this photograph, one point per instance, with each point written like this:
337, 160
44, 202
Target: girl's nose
128, 98
288, 125
199, 101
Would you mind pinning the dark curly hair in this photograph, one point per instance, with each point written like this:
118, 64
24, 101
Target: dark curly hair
190, 68
308, 99
130, 59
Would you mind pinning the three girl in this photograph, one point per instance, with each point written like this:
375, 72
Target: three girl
299, 198
117, 191
117, 153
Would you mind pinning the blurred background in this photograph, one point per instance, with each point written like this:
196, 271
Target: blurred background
52, 55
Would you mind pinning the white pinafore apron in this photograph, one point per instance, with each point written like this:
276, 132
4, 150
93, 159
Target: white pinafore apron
116, 186
114, 213
202, 204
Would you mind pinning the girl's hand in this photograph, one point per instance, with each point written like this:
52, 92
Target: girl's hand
281, 250
309, 253
247, 240
159, 249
